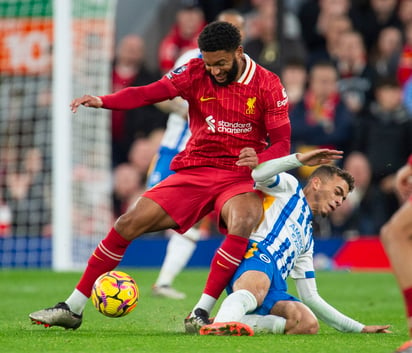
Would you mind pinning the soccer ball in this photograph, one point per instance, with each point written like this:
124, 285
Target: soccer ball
115, 294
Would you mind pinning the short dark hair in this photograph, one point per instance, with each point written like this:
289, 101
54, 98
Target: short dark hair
327, 171
219, 35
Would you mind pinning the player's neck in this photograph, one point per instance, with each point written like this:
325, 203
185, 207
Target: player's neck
242, 67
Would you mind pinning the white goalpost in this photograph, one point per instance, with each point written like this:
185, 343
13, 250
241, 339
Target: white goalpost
55, 167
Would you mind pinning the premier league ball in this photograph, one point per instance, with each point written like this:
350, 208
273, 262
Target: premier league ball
115, 294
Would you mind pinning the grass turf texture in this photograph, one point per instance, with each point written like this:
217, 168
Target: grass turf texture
156, 325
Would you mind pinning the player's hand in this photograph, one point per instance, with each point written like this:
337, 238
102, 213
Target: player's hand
403, 182
319, 156
248, 158
376, 329
87, 100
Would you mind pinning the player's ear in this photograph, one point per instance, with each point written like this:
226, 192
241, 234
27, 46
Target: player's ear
239, 51
316, 183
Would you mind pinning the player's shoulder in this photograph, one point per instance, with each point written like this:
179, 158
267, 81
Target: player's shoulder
192, 68
187, 56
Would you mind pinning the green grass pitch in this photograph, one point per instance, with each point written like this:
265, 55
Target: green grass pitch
156, 325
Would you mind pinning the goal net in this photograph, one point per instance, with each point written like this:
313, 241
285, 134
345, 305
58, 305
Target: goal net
55, 172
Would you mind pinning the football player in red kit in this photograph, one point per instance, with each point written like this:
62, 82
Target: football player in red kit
235, 107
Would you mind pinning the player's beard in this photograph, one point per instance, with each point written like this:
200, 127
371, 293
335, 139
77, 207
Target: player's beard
230, 75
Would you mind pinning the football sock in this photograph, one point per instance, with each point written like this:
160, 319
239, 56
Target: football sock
235, 306
206, 302
407, 295
77, 301
265, 323
178, 253
224, 264
105, 257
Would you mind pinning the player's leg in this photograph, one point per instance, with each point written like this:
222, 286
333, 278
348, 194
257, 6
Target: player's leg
250, 288
396, 236
250, 285
145, 216
240, 213
299, 318
179, 250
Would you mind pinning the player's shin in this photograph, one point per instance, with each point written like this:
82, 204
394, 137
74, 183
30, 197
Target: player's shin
107, 255
235, 306
224, 264
265, 323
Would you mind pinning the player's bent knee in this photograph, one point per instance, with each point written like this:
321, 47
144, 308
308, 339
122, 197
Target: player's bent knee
300, 320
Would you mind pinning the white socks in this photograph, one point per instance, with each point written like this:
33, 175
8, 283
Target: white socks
179, 251
77, 302
206, 302
265, 323
235, 306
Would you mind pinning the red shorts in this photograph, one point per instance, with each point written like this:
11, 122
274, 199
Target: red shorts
190, 194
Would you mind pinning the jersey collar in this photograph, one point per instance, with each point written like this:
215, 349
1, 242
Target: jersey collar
249, 71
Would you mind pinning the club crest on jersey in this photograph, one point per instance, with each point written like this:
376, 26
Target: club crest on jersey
264, 258
250, 105
176, 71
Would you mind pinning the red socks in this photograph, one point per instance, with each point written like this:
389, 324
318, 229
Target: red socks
106, 257
224, 264
407, 296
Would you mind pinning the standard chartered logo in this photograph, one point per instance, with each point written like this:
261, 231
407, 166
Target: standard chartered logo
211, 123
228, 127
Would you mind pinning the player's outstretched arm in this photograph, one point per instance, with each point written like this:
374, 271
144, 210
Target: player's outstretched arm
86, 100
268, 169
308, 293
319, 156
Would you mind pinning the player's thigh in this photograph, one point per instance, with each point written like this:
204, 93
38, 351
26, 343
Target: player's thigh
255, 282
398, 230
143, 217
242, 212
299, 318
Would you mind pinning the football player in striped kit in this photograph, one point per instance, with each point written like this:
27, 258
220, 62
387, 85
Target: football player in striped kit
282, 246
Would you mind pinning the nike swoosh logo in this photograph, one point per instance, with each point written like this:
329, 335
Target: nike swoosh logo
221, 265
205, 99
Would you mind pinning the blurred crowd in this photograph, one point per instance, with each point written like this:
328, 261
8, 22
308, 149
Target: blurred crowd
347, 69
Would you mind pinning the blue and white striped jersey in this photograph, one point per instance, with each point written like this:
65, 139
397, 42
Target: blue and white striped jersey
286, 229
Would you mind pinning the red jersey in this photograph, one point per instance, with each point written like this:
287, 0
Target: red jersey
225, 119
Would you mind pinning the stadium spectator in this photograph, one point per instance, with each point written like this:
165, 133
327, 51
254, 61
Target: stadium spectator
378, 15
396, 236
315, 17
358, 214
404, 71
320, 118
384, 56
265, 47
356, 77
294, 79
183, 34
225, 89
334, 29
129, 70
384, 136
405, 13
282, 246
27, 196
407, 94
127, 187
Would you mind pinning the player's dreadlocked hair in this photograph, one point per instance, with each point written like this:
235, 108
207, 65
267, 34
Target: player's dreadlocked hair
328, 171
219, 35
